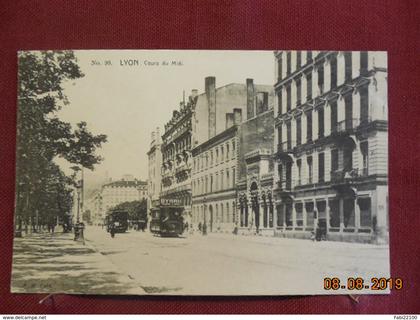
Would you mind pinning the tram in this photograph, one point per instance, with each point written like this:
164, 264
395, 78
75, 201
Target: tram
167, 219
118, 218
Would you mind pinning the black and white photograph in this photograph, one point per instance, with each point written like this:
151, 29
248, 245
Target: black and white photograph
202, 172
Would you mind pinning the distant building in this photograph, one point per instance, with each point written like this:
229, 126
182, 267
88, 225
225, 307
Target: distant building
331, 144
120, 191
216, 132
94, 204
154, 168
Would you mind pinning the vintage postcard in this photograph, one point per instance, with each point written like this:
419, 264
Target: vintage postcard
202, 172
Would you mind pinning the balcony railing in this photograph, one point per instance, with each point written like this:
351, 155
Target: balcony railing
346, 125
285, 146
344, 176
285, 185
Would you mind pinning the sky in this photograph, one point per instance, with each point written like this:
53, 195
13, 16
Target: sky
128, 102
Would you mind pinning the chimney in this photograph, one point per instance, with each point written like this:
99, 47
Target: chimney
249, 98
237, 116
229, 120
262, 102
210, 88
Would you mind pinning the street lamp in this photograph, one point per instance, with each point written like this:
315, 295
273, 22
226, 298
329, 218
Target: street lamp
79, 227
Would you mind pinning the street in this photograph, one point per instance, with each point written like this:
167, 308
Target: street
225, 264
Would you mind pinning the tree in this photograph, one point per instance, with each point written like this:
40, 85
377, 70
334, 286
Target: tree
137, 210
43, 191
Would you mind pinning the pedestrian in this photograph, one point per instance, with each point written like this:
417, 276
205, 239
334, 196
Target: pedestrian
112, 230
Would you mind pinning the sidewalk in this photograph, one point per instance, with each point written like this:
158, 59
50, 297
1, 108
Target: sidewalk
54, 263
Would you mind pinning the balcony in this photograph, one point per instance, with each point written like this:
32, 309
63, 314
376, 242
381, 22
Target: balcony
346, 126
285, 188
285, 146
344, 176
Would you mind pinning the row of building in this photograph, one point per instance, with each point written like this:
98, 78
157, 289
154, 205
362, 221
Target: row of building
306, 153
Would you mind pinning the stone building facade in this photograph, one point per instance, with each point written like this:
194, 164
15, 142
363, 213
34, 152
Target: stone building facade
154, 168
216, 135
176, 156
331, 145
124, 190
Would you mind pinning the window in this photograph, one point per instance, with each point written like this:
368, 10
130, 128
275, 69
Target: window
309, 207
348, 66
310, 169
309, 86
298, 91
349, 216
227, 212
321, 168
289, 215
279, 132
221, 180
348, 101
364, 105
211, 183
321, 122
363, 62
233, 212
289, 135
365, 156
289, 176
333, 63
365, 212
309, 126
221, 213
321, 78
334, 160
298, 59
280, 67
289, 62
217, 155
227, 151
334, 117
233, 177
299, 167
233, 148
211, 157
207, 160
207, 184
216, 182
227, 178
280, 102
347, 159
334, 213
280, 216
222, 155
288, 98
298, 131
299, 214
308, 56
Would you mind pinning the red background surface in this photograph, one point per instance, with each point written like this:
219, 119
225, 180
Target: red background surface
391, 25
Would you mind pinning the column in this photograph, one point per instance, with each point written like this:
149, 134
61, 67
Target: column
294, 217
284, 64
304, 125
341, 208
355, 62
314, 125
303, 84
356, 108
356, 215
327, 120
341, 68
293, 128
293, 93
341, 114
283, 98
327, 213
